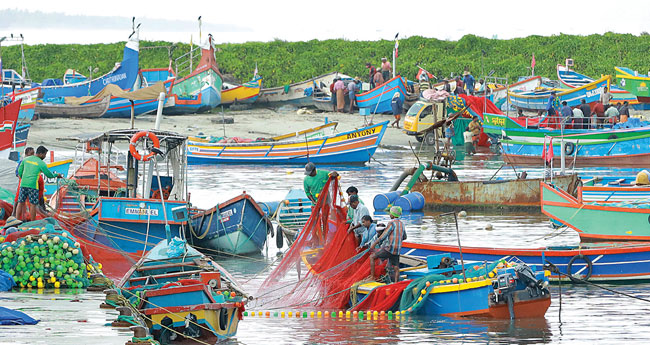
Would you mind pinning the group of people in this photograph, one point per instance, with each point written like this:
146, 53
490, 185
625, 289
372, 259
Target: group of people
384, 243
466, 85
339, 89
375, 77
584, 116
471, 135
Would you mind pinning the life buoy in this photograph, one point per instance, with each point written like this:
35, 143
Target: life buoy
134, 141
584, 258
569, 148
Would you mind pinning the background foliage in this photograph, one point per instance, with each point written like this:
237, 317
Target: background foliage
281, 62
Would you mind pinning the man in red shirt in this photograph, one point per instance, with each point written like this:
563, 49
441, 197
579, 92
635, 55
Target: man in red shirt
372, 70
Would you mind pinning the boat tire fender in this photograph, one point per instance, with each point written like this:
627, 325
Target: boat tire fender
569, 148
134, 140
569, 267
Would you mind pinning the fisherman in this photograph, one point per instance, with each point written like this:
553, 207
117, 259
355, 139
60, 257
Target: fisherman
393, 235
315, 180
29, 170
624, 112
385, 69
339, 89
605, 97
352, 190
371, 72
586, 112
578, 118
378, 79
469, 145
480, 87
352, 92
566, 113
333, 93
29, 151
369, 233
396, 105
449, 134
611, 113
550, 109
447, 86
459, 87
598, 113
360, 210
475, 127
468, 80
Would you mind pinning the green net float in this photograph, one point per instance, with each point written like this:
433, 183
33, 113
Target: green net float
59, 274
10, 255
11, 272
43, 252
22, 264
5, 260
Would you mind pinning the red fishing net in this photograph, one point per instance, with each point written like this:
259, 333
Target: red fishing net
322, 264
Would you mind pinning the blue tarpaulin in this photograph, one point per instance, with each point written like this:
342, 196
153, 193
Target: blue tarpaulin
6, 281
14, 317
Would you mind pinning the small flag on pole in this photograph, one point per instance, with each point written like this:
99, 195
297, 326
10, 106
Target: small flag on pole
532, 63
255, 72
396, 44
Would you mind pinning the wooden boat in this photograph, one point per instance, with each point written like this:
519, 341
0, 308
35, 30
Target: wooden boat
524, 85
597, 221
602, 262
298, 94
8, 123
324, 102
28, 96
538, 99
200, 91
573, 79
630, 153
21, 134
508, 194
246, 93
85, 110
293, 213
378, 100
612, 189
634, 82
352, 147
236, 226
72, 76
497, 290
183, 296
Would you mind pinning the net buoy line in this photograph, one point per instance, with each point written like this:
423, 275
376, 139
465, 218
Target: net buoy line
368, 315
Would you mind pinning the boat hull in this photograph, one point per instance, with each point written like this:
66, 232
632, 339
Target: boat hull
197, 93
246, 93
298, 94
28, 104
378, 100
538, 100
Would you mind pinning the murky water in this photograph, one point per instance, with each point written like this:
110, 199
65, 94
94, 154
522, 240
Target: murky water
589, 315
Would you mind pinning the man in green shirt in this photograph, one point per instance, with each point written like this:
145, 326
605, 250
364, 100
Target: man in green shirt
315, 180
28, 171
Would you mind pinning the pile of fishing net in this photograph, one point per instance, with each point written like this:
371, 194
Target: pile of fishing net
41, 255
323, 263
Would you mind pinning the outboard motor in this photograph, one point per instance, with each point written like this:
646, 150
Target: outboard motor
504, 287
526, 275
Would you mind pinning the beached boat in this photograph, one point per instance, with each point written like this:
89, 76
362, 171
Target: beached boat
630, 153
84, 110
8, 123
604, 262
538, 99
72, 76
500, 92
597, 221
573, 79
529, 129
182, 295
378, 100
246, 93
200, 91
21, 134
236, 226
298, 94
352, 147
634, 82
511, 193
28, 96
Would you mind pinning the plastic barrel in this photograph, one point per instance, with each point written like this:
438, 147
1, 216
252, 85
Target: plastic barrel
269, 207
413, 201
381, 201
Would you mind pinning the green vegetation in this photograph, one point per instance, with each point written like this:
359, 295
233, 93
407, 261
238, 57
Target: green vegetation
281, 62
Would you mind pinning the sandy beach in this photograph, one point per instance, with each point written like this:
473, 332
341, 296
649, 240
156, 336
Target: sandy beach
252, 123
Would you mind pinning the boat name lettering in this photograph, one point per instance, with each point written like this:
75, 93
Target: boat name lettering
594, 92
363, 133
114, 78
497, 121
141, 211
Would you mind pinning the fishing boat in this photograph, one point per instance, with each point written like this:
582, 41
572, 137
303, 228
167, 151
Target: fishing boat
199, 91
8, 122
126, 219
72, 76
525, 84
538, 99
246, 93
602, 262
292, 214
28, 96
59, 167
237, 226
298, 94
504, 289
508, 193
612, 189
530, 129
634, 82
378, 100
630, 153
573, 79
182, 295
598, 221
84, 110
21, 134
323, 102
351, 147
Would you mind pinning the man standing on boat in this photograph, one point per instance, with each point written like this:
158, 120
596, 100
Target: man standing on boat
29, 171
605, 97
371, 72
566, 113
586, 112
315, 180
385, 69
624, 112
392, 238
468, 80
550, 110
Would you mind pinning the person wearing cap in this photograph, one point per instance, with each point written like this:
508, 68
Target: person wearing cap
371, 72
396, 105
315, 180
468, 80
360, 210
352, 190
339, 89
385, 69
29, 171
392, 238
11, 222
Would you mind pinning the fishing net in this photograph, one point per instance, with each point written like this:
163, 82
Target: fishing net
323, 263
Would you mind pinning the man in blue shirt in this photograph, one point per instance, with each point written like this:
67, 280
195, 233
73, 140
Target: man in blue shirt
566, 112
469, 81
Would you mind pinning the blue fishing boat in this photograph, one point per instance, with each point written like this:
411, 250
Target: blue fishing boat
28, 96
573, 79
378, 100
612, 189
292, 214
538, 99
181, 295
298, 94
20, 137
237, 226
606, 262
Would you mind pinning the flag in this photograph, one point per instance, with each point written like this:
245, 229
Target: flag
547, 155
532, 63
396, 47
421, 71
6, 126
255, 72
171, 71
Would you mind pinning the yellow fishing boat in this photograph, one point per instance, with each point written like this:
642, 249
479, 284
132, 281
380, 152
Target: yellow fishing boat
245, 93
